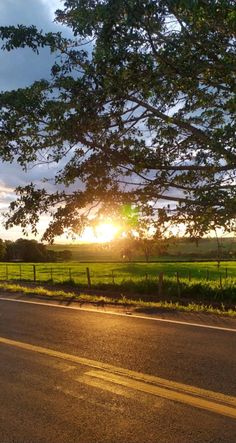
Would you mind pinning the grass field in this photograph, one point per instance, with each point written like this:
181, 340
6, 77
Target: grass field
198, 280
117, 272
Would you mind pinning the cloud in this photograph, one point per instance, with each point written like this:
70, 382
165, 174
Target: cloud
19, 68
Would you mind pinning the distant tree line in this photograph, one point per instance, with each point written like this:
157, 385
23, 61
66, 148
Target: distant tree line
126, 249
30, 251
146, 247
132, 248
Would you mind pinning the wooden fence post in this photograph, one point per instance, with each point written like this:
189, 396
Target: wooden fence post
160, 284
34, 272
88, 278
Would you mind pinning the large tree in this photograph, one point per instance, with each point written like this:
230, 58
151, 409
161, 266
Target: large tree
139, 110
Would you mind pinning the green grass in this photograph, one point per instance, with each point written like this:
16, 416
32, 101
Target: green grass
197, 281
107, 272
137, 305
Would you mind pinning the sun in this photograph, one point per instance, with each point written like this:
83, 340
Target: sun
102, 233
105, 232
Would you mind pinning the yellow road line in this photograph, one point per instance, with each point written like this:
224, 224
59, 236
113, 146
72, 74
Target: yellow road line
105, 386
200, 398
197, 402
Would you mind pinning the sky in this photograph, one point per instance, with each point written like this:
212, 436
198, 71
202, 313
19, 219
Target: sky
19, 68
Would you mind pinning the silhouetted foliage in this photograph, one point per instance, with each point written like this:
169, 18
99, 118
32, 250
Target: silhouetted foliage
30, 251
140, 104
2, 249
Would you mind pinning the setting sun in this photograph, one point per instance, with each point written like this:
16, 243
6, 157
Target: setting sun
102, 233
105, 232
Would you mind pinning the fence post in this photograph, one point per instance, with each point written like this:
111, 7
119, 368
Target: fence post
113, 277
160, 284
6, 272
88, 277
34, 272
20, 272
178, 283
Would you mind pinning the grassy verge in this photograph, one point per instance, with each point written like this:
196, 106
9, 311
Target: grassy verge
194, 289
122, 301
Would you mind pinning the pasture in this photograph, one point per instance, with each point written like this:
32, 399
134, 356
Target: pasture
202, 281
117, 272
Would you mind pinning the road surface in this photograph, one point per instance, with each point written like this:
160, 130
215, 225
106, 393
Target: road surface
72, 375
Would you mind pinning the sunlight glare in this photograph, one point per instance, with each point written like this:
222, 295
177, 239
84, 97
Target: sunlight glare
102, 233
105, 232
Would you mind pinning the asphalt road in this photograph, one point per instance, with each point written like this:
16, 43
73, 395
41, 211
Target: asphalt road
75, 376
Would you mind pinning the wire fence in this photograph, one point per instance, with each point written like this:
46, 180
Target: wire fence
89, 276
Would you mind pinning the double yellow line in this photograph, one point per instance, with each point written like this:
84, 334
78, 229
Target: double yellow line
148, 384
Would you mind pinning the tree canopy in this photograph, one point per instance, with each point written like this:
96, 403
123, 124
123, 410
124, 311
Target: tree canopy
31, 251
139, 110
